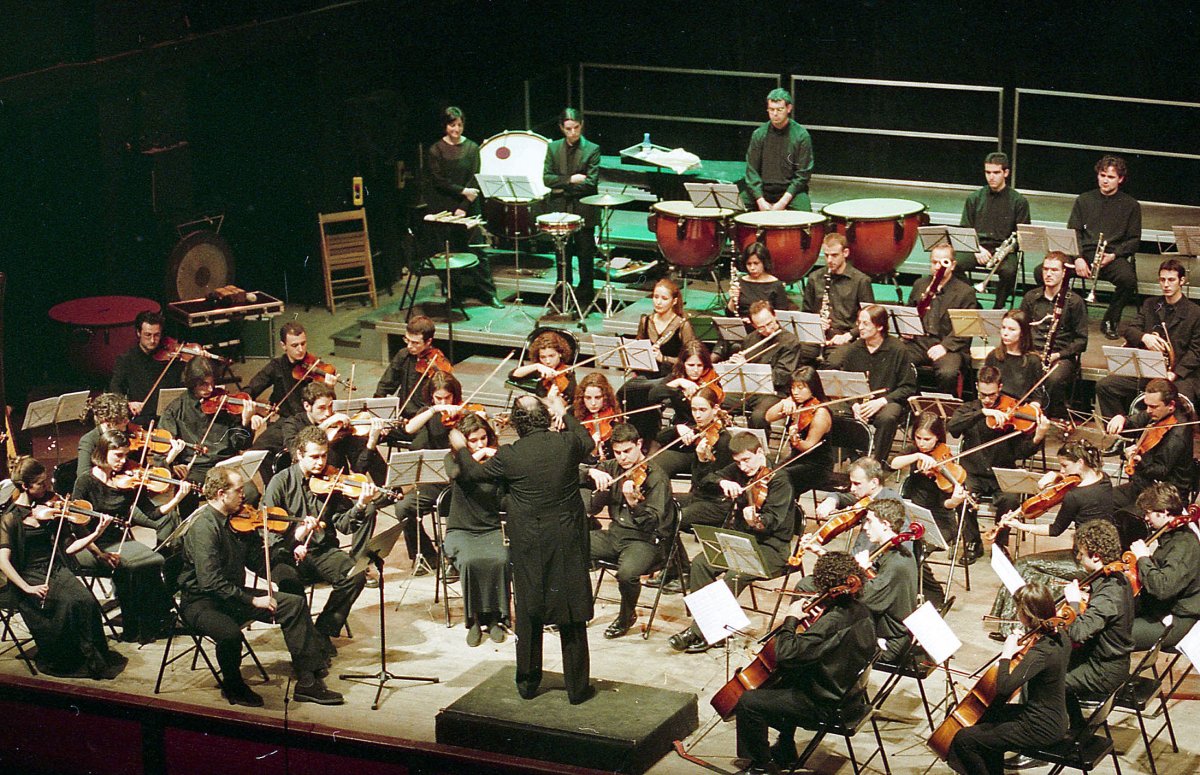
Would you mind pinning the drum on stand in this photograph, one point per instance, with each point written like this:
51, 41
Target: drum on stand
689, 236
516, 153
793, 238
880, 232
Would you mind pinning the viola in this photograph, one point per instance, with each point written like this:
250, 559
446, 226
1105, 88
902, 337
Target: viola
273, 518
155, 479
946, 475
983, 695
158, 440
1021, 417
233, 403
600, 425
435, 358
837, 523
313, 368
1050, 496
761, 670
351, 485
711, 379
171, 349
1153, 434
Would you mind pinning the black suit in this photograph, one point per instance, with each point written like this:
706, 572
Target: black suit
548, 547
562, 161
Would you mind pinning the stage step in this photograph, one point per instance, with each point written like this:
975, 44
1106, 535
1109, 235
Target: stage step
625, 728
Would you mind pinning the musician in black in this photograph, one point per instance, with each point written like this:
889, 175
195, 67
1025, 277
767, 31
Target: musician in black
782, 353
1169, 460
1042, 719
939, 348
994, 211
1170, 575
779, 161
848, 290
887, 364
1109, 213
1070, 331
1169, 325
572, 172
277, 374
1020, 367
348, 451
640, 532
771, 523
401, 377
1103, 633
818, 666
138, 369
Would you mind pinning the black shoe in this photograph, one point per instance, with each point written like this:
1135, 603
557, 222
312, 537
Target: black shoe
769, 768
996, 635
317, 692
785, 755
588, 694
619, 627
673, 587
682, 641
701, 646
241, 694
1109, 329
493, 302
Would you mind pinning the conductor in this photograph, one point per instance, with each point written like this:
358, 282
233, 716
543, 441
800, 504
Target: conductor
548, 534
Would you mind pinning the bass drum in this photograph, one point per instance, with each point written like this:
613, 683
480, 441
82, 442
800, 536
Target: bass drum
200, 263
793, 238
688, 236
880, 232
514, 153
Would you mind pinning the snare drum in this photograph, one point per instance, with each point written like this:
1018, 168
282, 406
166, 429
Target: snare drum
559, 224
688, 236
880, 232
793, 238
513, 153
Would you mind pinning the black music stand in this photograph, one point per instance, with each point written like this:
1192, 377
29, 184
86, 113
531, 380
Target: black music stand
376, 550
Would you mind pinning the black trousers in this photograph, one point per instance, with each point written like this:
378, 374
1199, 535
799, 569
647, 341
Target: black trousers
1120, 273
756, 406
945, 371
222, 621
885, 422
637, 393
760, 710
416, 504
634, 559
332, 566
980, 748
576, 660
1005, 277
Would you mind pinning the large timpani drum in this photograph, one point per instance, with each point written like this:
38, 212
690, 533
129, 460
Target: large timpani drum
793, 238
880, 232
513, 153
688, 236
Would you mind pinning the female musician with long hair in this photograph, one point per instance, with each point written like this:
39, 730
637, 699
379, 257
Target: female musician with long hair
137, 578
757, 283
549, 354
1019, 365
808, 429
928, 437
1042, 719
667, 327
61, 614
1090, 499
693, 370
594, 406
474, 538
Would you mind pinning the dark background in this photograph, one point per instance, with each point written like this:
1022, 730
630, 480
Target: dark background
266, 109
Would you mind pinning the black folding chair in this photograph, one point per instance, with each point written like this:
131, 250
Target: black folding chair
196, 650
851, 714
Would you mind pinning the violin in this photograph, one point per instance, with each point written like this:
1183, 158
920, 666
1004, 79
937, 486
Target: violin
171, 349
802, 419
155, 479
450, 419
233, 403
559, 382
1021, 417
435, 358
706, 443
756, 491
982, 695
350, 485
600, 425
1050, 496
158, 440
77, 512
837, 523
946, 475
312, 367
1154, 433
761, 670
273, 518
360, 424
710, 379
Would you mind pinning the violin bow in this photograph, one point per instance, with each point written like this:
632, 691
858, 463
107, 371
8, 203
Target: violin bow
140, 489
266, 541
488, 378
307, 373
662, 449
161, 374
621, 414
428, 367
595, 357
53, 551
204, 438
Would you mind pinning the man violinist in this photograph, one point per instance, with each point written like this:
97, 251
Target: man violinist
769, 521
1169, 325
138, 369
818, 665
277, 374
1157, 451
402, 374
888, 366
639, 534
1071, 334
938, 348
1170, 575
214, 601
782, 353
310, 552
866, 483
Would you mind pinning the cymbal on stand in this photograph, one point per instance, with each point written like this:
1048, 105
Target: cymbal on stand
606, 200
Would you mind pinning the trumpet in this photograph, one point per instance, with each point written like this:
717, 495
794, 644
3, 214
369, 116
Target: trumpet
1001, 252
1100, 246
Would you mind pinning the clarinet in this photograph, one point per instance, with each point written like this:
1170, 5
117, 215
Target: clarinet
735, 285
1060, 304
826, 308
1100, 246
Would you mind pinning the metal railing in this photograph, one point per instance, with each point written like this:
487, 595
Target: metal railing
600, 111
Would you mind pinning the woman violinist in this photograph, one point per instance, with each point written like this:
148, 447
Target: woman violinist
1019, 365
693, 370
669, 330
475, 537
551, 356
138, 577
939, 489
1089, 498
1041, 670
807, 428
595, 406
63, 617
756, 284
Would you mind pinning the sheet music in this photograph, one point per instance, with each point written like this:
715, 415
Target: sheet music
716, 611
166, 396
745, 378
932, 633
69, 407
408, 467
1190, 645
1006, 570
247, 463
806, 326
730, 329
387, 407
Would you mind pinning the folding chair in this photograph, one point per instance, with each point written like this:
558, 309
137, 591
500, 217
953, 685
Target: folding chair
196, 650
346, 257
846, 720
8, 609
910, 664
1084, 748
529, 384
1145, 683
675, 554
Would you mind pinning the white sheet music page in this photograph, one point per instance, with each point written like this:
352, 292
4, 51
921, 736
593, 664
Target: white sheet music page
716, 611
931, 631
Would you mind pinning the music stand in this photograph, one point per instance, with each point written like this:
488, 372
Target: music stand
1187, 239
247, 463
507, 187
732, 551
962, 238
715, 195
839, 384
166, 396
982, 323
414, 467
374, 553
69, 407
1134, 362
624, 355
730, 329
1047, 239
745, 378
905, 320
941, 404
386, 408
805, 325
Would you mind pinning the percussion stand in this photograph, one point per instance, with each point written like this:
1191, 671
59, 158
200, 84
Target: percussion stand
610, 305
517, 273
568, 303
